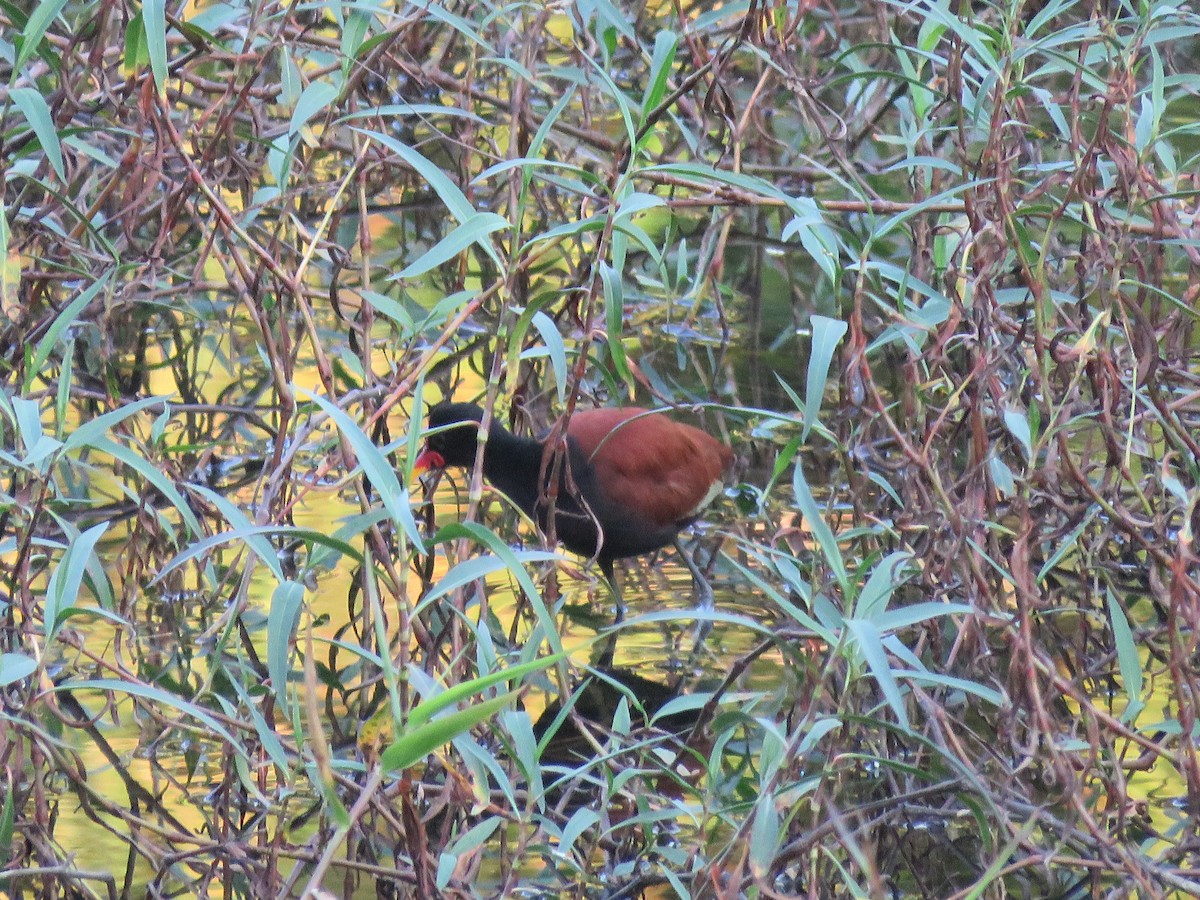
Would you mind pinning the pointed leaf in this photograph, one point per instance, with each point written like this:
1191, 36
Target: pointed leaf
313, 100
35, 29
376, 467
472, 231
418, 743
67, 578
869, 644
826, 334
37, 114
665, 44
286, 602
154, 20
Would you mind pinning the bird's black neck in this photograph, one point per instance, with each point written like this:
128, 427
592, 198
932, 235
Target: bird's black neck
512, 464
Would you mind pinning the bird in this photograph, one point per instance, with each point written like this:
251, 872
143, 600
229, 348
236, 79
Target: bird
631, 479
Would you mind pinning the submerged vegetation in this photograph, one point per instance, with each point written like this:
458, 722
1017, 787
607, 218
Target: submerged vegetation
931, 270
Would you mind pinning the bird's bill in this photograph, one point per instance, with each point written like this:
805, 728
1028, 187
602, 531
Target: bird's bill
427, 460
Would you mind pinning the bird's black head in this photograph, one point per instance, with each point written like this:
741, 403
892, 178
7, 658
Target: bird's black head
454, 446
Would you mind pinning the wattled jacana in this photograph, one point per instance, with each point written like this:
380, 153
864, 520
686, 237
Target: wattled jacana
631, 479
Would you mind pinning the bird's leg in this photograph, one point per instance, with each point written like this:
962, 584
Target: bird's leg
608, 649
704, 591
705, 601
606, 567
606, 652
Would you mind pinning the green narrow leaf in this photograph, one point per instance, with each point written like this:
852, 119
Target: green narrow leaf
852, 887
375, 466
248, 781
423, 111
154, 476
691, 616
154, 17
7, 820
487, 773
35, 29
62, 397
635, 202
286, 603
1157, 82
157, 695
412, 438
823, 726
991, 877
60, 324
335, 809
392, 309
267, 736
525, 748
1023, 243
568, 229
459, 24
803, 208
1129, 661
614, 316
820, 529
481, 535
872, 601
418, 743
291, 82
10, 265
619, 98
1002, 475
681, 264
912, 613
91, 431
468, 842
773, 751
556, 349
37, 114
136, 55
448, 192
884, 229
765, 836
67, 579
27, 417
472, 231
816, 237
461, 692
826, 335
353, 35
781, 598
528, 165
581, 820
1044, 15
313, 100
868, 642
1017, 423
1067, 544
1146, 124
14, 667
665, 44
475, 568
932, 679
331, 547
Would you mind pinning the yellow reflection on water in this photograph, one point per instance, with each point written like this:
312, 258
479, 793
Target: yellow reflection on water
187, 611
